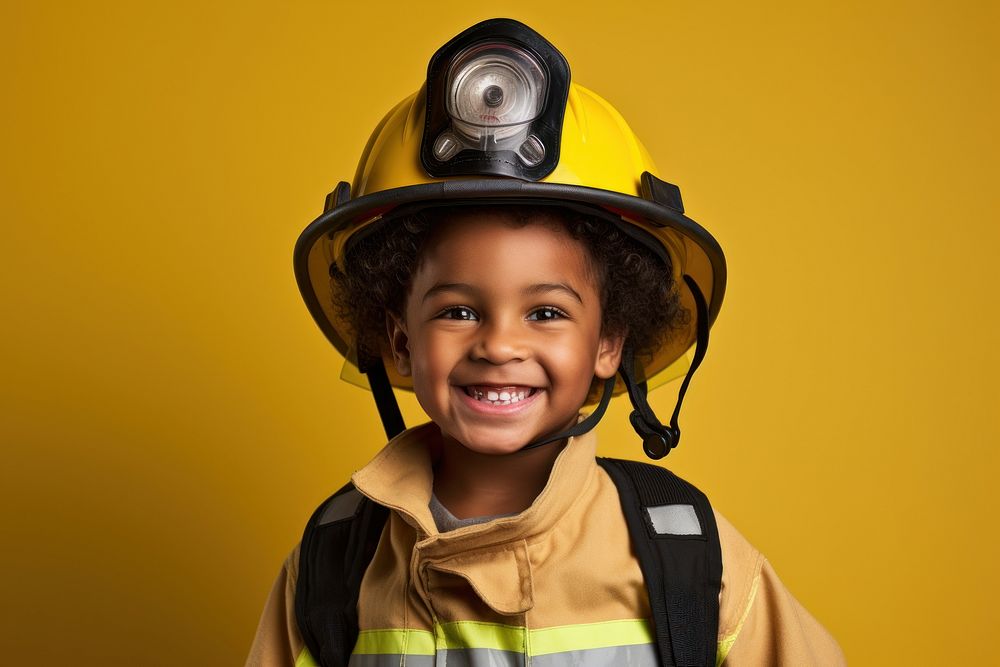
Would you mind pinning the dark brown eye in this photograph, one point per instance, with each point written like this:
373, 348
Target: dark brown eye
546, 313
458, 313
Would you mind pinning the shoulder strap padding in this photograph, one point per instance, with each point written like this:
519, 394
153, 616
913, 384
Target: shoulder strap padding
676, 541
337, 546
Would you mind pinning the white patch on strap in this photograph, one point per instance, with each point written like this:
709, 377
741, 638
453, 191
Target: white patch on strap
674, 520
342, 507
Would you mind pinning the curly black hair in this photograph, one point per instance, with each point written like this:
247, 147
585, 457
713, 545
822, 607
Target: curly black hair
639, 296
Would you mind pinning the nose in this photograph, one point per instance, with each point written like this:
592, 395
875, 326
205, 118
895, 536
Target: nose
499, 342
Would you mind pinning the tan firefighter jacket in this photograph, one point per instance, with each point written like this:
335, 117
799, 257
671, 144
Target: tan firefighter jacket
554, 586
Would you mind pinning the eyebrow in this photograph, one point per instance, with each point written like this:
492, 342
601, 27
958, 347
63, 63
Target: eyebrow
537, 288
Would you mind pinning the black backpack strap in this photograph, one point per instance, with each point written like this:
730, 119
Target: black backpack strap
337, 546
676, 540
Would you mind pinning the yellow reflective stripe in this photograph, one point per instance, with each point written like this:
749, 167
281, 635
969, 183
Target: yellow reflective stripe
590, 635
726, 643
305, 659
473, 634
394, 642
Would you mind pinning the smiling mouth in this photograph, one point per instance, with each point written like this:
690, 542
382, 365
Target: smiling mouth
499, 395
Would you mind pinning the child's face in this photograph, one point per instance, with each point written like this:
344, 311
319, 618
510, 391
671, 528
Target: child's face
508, 313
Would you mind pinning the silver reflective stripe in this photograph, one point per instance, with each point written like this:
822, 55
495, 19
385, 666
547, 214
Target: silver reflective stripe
674, 520
341, 507
478, 657
639, 655
452, 657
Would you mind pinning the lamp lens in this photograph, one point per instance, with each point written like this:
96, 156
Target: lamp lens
495, 89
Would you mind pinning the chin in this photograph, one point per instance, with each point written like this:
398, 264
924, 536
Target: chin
495, 444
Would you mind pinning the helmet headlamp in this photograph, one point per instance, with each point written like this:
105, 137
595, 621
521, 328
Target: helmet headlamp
495, 103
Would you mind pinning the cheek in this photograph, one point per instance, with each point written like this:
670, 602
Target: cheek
573, 360
433, 358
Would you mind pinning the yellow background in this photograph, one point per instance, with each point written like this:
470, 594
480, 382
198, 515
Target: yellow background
171, 415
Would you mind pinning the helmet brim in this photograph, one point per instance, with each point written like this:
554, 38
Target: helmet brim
692, 250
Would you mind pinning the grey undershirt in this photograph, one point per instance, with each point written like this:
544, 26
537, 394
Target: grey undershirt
446, 521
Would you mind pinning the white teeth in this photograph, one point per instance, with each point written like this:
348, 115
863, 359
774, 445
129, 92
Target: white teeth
499, 397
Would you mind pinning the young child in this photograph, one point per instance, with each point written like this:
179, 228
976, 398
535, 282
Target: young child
512, 258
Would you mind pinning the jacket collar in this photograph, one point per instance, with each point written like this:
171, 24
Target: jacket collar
492, 556
401, 478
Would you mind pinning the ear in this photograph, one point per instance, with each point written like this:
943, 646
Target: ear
399, 343
609, 355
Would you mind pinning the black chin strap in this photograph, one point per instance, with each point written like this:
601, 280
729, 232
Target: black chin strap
581, 427
385, 400
658, 439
